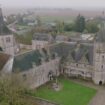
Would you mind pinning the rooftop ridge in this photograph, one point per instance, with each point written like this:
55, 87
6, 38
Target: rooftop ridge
24, 53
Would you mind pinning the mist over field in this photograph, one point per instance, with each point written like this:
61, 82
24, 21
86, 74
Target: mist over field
56, 11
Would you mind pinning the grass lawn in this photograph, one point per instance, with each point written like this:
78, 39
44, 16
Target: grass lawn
70, 94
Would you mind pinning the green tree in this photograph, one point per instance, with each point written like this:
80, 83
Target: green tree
92, 27
12, 91
80, 23
69, 27
59, 26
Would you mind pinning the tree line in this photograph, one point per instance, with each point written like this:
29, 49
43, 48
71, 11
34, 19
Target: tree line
13, 90
79, 25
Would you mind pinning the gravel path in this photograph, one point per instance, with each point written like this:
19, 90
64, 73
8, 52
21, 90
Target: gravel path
99, 98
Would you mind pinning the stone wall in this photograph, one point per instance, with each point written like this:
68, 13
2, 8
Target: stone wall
40, 101
23, 46
38, 76
8, 66
81, 70
99, 63
7, 44
39, 44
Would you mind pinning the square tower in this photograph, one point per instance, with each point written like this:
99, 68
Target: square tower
6, 37
99, 58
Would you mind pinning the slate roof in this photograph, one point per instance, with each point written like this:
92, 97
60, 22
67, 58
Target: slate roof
70, 50
41, 37
24, 62
83, 54
3, 28
3, 59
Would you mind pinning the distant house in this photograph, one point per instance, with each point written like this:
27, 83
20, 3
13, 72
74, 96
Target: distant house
41, 40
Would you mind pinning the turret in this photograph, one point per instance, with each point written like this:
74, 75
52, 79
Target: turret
99, 58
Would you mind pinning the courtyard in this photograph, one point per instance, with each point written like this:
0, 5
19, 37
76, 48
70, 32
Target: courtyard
71, 93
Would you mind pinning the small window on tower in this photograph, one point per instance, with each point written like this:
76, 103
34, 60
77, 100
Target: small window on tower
102, 66
103, 56
8, 39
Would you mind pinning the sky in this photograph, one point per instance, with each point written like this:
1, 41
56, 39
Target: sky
54, 3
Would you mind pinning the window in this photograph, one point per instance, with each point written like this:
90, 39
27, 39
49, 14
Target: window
8, 39
84, 65
77, 65
103, 57
102, 66
1, 49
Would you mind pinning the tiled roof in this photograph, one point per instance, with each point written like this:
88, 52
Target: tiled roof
3, 59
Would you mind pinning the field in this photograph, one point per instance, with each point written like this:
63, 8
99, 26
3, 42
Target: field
48, 19
70, 94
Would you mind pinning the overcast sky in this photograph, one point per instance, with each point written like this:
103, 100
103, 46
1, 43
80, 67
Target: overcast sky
53, 3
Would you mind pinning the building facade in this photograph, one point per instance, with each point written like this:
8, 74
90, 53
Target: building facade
35, 67
7, 41
41, 40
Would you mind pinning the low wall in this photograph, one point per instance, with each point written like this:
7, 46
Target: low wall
23, 46
40, 101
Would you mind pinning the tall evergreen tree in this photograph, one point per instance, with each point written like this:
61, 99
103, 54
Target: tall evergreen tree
80, 23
